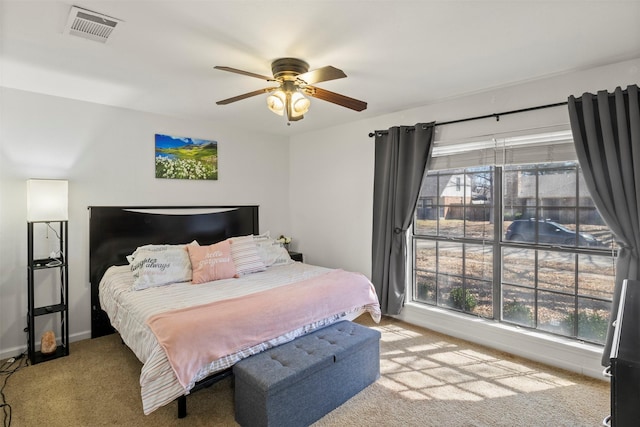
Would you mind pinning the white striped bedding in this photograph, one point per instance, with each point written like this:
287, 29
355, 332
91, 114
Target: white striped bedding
128, 311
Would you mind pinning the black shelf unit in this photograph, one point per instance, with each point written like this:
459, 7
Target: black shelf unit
61, 307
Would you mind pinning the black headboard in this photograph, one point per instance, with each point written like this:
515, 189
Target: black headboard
116, 231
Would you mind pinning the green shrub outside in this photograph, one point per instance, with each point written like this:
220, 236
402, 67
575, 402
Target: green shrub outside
462, 299
515, 311
591, 325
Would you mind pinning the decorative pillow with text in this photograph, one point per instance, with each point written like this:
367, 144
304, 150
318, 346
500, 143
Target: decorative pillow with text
160, 265
213, 262
272, 252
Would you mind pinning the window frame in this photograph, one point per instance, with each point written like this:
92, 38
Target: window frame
499, 245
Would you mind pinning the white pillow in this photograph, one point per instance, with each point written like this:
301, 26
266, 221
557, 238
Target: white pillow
245, 255
272, 253
262, 236
159, 265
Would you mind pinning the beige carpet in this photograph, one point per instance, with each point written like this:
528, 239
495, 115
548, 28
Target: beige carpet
427, 379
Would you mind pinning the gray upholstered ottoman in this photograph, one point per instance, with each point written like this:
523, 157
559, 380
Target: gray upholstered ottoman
299, 382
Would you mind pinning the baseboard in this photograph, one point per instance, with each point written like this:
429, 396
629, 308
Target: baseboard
7, 353
12, 352
555, 351
79, 336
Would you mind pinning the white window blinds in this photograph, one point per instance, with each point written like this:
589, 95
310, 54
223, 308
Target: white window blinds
496, 150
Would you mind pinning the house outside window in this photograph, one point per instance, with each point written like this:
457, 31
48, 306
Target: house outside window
519, 243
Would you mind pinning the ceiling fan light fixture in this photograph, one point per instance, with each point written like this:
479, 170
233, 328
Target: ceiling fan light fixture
294, 82
299, 104
276, 102
293, 102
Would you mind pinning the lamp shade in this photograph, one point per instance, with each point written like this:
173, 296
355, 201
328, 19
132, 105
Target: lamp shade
47, 200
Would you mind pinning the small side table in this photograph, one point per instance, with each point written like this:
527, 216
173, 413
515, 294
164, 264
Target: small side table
296, 256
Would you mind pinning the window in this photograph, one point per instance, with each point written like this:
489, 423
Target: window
452, 241
519, 243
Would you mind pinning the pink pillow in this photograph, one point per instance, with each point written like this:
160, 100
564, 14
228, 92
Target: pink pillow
211, 262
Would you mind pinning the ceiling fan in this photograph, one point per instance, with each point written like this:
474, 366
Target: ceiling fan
294, 80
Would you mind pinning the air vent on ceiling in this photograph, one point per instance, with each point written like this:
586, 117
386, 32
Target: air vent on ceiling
90, 25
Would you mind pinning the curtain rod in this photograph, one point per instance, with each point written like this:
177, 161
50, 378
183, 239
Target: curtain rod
486, 116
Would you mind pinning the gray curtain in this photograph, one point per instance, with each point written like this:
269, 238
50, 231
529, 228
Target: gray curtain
606, 133
401, 156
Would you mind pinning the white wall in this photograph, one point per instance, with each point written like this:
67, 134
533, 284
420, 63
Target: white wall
331, 176
107, 154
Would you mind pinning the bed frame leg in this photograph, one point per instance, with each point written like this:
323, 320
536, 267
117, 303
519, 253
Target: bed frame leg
182, 406
207, 382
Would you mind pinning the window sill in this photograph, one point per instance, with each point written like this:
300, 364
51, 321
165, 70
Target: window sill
556, 351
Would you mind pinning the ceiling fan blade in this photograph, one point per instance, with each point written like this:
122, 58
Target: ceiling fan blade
335, 98
246, 95
321, 75
244, 73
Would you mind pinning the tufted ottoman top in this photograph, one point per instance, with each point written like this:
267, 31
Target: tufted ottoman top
289, 363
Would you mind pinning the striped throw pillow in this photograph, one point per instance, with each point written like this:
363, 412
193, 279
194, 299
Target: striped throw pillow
245, 255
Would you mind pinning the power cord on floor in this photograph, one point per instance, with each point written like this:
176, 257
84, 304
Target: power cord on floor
9, 367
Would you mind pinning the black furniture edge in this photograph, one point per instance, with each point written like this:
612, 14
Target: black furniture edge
625, 359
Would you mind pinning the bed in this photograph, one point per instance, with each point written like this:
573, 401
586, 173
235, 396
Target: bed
169, 327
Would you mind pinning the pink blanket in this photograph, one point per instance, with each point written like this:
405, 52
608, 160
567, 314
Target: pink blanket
195, 336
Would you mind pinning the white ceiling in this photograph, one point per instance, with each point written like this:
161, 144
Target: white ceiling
397, 54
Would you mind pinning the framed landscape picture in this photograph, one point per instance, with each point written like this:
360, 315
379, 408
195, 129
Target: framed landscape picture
186, 158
